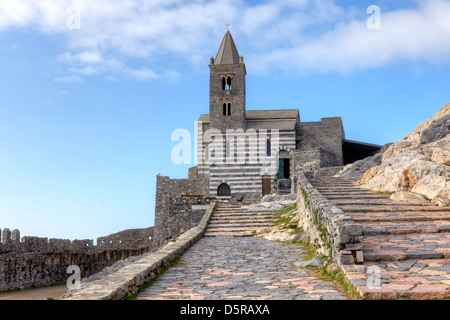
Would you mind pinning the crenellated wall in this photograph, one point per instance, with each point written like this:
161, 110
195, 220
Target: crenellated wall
33, 261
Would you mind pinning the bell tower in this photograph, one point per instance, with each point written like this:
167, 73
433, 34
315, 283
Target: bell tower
227, 87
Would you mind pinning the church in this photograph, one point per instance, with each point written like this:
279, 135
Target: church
247, 154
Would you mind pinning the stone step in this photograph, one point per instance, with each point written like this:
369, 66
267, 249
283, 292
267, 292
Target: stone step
349, 188
228, 234
377, 202
243, 211
390, 216
334, 185
392, 208
406, 247
243, 214
406, 279
237, 222
356, 196
240, 220
225, 226
405, 227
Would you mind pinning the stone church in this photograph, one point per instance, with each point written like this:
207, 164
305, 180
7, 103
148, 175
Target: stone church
246, 154
234, 168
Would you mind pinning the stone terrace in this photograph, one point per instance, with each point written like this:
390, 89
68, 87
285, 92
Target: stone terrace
410, 244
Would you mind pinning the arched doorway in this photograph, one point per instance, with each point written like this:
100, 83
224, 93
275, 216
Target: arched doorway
224, 190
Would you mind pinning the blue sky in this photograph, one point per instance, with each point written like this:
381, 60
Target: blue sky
86, 115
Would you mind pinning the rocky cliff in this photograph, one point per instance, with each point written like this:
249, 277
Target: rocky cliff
419, 164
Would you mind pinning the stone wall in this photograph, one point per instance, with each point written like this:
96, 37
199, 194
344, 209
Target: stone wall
329, 229
11, 243
180, 205
284, 186
133, 238
36, 261
24, 270
326, 134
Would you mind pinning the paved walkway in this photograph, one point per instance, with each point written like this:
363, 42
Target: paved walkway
240, 268
409, 244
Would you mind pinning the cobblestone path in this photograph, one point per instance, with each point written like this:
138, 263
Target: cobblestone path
409, 244
239, 268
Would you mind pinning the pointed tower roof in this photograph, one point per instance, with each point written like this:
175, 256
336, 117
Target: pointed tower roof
228, 53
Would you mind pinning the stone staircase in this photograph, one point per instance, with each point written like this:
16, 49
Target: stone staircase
409, 243
236, 221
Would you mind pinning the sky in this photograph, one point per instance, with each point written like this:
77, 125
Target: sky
92, 90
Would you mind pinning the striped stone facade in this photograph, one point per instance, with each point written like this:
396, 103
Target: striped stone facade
234, 143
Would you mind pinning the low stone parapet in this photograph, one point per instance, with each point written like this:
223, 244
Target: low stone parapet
334, 233
127, 280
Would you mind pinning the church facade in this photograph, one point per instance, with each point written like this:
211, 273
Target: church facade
250, 153
243, 154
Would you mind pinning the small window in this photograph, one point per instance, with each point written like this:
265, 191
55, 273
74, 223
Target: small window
228, 83
227, 109
269, 148
224, 83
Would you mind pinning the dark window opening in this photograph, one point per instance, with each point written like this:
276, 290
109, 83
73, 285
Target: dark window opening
284, 169
223, 83
268, 148
224, 190
227, 109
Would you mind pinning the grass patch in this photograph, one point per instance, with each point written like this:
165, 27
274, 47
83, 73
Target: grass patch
283, 220
308, 249
337, 277
327, 273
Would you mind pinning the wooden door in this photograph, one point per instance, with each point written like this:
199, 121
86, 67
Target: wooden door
266, 186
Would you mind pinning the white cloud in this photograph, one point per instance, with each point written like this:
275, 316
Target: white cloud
67, 79
301, 35
421, 34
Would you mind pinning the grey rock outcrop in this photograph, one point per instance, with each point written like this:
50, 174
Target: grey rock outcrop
419, 163
436, 131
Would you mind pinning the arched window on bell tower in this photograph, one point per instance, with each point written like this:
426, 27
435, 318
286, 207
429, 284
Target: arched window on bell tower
224, 83
228, 86
229, 109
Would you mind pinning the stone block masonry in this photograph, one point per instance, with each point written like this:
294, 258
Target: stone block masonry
328, 228
180, 205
